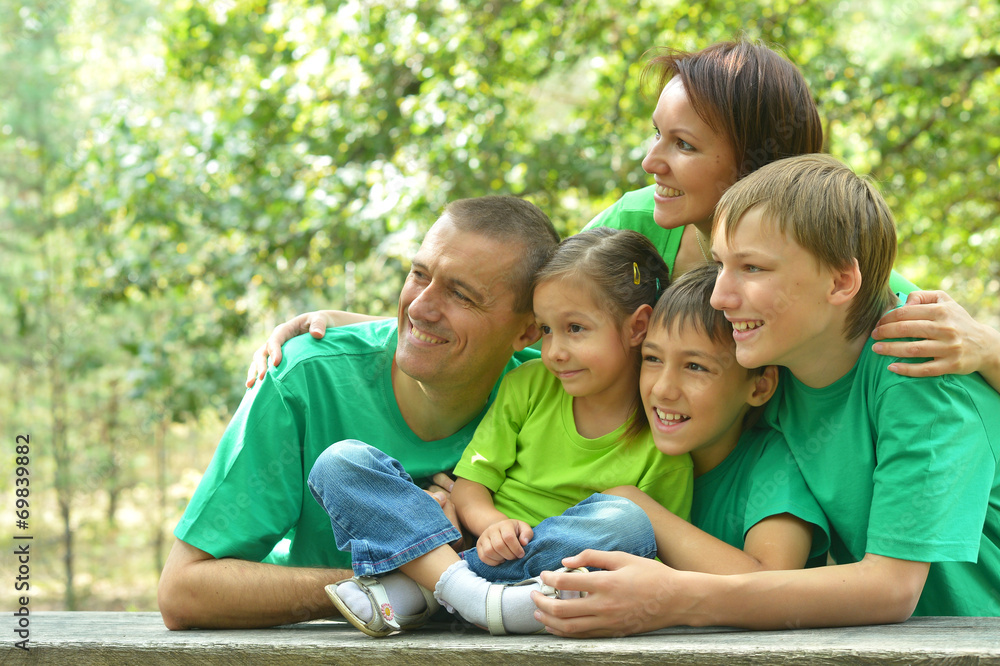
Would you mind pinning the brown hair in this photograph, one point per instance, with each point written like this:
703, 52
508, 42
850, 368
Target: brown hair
624, 271
834, 214
511, 220
750, 94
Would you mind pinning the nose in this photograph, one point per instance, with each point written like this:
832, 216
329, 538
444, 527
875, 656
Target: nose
653, 162
724, 295
554, 349
425, 304
666, 387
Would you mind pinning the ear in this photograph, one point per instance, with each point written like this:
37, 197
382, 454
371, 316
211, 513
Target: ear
529, 336
846, 284
638, 324
764, 386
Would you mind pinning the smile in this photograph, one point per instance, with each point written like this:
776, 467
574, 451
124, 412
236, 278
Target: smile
668, 192
425, 337
670, 418
746, 325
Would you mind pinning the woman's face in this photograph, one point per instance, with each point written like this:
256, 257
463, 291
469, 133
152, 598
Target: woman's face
691, 163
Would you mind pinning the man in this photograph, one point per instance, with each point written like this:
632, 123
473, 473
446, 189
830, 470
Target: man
253, 548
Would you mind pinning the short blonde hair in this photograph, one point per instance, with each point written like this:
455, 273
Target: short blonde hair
834, 214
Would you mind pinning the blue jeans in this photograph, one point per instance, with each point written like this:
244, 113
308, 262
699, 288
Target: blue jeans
385, 521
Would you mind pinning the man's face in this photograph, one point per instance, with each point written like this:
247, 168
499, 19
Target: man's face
456, 319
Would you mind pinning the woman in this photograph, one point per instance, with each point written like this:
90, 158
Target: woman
722, 113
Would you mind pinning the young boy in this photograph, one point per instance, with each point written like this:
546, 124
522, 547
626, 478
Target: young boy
905, 469
751, 510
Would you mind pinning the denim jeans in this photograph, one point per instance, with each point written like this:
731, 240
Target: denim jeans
384, 520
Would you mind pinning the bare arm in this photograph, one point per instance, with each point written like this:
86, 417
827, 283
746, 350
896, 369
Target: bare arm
636, 595
198, 590
954, 342
777, 542
314, 323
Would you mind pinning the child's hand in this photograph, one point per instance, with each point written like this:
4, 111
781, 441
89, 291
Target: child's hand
503, 540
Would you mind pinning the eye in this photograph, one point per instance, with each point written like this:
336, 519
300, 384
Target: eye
462, 297
575, 328
684, 145
656, 132
546, 330
750, 268
650, 358
696, 367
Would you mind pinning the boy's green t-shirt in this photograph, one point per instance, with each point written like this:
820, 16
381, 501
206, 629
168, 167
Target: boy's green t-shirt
253, 502
759, 479
906, 468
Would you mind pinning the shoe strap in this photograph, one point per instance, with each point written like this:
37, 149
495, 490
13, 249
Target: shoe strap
379, 599
494, 612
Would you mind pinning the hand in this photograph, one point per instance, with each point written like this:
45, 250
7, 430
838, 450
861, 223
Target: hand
503, 541
315, 323
633, 595
441, 483
954, 341
443, 498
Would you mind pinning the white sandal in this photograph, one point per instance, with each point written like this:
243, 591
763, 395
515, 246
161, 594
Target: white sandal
494, 616
384, 620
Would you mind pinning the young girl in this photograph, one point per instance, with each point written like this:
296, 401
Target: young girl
560, 430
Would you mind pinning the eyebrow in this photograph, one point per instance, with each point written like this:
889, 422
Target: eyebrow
474, 293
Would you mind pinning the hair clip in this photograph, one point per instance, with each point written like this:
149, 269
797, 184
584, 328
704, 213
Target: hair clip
657, 286
635, 273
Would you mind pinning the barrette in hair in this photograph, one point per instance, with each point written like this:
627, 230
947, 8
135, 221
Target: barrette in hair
635, 273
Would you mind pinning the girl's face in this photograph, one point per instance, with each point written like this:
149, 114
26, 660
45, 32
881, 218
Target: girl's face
691, 163
581, 344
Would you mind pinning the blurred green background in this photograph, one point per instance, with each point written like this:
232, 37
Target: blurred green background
181, 175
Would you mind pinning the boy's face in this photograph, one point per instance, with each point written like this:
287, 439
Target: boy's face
775, 293
693, 391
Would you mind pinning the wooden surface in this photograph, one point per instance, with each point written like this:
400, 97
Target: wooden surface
140, 638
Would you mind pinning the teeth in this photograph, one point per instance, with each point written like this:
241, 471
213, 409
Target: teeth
667, 191
746, 325
423, 337
670, 416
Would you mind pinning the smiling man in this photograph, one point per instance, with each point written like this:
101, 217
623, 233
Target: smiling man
254, 548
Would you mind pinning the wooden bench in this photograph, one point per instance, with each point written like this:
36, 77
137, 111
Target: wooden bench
85, 638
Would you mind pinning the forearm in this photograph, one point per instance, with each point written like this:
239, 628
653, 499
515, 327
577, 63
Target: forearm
681, 545
197, 590
866, 592
336, 318
474, 504
990, 369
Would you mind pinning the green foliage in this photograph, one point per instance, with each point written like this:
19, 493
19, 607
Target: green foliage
179, 175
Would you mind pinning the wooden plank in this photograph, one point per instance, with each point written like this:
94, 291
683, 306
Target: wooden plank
86, 638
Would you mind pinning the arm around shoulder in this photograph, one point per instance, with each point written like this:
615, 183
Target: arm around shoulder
198, 590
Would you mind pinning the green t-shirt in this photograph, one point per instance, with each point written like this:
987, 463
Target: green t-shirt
635, 211
906, 468
759, 479
528, 452
253, 502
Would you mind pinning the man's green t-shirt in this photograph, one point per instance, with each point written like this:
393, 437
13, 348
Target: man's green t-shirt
906, 468
253, 502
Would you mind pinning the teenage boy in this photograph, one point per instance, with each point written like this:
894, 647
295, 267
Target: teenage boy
905, 468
